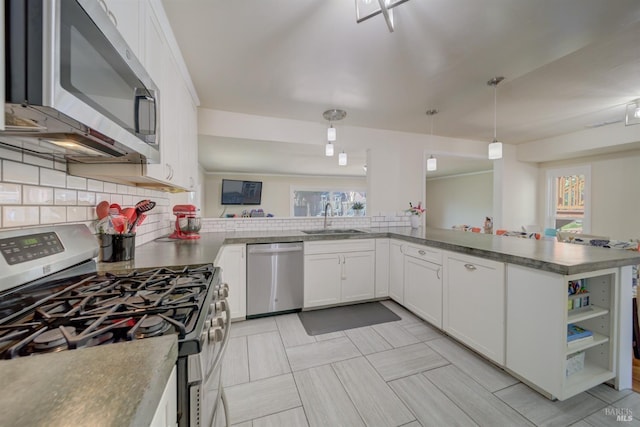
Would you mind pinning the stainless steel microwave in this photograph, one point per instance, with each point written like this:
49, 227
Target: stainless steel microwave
73, 84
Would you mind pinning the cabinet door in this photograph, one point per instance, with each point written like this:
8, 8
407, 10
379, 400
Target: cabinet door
358, 276
167, 411
322, 279
382, 268
474, 309
234, 272
423, 289
126, 15
396, 271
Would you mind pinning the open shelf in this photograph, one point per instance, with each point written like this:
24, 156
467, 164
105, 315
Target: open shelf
586, 313
590, 376
583, 345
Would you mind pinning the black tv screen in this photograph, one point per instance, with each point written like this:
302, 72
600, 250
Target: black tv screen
236, 192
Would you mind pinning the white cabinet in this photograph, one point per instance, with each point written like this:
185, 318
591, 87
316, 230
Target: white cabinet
166, 414
423, 282
126, 16
396, 271
233, 262
382, 268
474, 303
338, 271
537, 318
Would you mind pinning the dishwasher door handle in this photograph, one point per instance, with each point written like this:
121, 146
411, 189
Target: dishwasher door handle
274, 250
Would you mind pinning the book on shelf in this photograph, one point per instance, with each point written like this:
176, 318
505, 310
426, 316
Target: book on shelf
577, 334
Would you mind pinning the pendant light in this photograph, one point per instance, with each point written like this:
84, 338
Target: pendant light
432, 162
332, 116
342, 159
495, 148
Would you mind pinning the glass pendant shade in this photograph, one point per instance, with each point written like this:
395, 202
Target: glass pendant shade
342, 159
495, 150
432, 164
328, 149
331, 134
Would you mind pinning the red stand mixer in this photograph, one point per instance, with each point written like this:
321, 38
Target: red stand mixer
187, 223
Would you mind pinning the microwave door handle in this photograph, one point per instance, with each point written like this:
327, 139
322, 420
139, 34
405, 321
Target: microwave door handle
142, 94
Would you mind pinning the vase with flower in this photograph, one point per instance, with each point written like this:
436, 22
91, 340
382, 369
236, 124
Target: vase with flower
416, 212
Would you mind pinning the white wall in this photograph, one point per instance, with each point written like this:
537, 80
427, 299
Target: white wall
276, 191
459, 199
615, 193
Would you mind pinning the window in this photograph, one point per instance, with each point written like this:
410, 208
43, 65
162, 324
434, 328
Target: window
568, 205
312, 202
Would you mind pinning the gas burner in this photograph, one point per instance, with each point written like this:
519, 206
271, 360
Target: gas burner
151, 326
105, 338
52, 340
181, 281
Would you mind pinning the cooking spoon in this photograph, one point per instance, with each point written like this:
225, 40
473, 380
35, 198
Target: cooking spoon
141, 206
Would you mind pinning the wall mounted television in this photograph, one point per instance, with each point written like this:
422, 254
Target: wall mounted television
236, 192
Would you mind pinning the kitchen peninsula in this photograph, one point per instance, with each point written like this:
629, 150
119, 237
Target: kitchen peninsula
504, 297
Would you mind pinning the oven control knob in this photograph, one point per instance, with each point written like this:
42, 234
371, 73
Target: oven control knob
221, 305
207, 323
215, 334
224, 286
218, 321
223, 293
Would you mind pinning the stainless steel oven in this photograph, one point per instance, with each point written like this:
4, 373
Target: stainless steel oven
72, 79
52, 298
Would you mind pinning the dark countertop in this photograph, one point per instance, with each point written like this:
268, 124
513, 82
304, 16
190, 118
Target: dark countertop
113, 385
547, 255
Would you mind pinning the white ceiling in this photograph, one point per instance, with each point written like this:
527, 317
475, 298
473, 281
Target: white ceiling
567, 64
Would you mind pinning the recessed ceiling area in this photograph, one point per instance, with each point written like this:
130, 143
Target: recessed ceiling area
568, 65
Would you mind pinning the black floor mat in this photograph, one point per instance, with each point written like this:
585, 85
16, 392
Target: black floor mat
335, 319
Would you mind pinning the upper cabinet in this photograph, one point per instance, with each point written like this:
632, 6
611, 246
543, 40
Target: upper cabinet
126, 16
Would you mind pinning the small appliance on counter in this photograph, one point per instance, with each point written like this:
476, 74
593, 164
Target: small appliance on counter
187, 222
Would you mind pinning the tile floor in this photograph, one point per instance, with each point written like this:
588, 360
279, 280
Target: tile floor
402, 373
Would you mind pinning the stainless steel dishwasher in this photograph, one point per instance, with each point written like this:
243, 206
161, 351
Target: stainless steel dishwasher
274, 278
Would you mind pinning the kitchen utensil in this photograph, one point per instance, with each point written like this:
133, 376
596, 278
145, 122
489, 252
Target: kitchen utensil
187, 222
102, 210
115, 206
130, 214
141, 206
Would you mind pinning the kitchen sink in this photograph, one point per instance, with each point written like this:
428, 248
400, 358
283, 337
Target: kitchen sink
334, 231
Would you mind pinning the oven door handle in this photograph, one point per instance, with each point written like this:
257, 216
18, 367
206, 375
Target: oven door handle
225, 340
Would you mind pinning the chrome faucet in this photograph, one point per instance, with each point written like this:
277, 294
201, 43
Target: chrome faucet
326, 208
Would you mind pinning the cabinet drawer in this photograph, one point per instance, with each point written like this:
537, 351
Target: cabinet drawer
334, 246
424, 253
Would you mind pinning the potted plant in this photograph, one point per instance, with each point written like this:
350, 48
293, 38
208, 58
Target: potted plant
416, 212
357, 207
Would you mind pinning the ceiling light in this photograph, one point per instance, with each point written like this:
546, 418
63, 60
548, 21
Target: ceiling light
328, 149
366, 9
432, 162
331, 133
495, 148
632, 116
365, 168
342, 159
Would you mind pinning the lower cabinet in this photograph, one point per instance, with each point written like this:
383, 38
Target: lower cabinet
474, 303
167, 411
396, 271
338, 271
233, 262
423, 289
382, 268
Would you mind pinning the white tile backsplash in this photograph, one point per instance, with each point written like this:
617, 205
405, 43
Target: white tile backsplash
10, 194
20, 216
20, 173
33, 195
40, 192
53, 178
37, 160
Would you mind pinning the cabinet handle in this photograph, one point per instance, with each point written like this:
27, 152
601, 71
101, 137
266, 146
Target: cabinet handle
438, 273
421, 252
103, 5
470, 267
113, 18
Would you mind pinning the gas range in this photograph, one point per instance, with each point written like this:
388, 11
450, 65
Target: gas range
53, 298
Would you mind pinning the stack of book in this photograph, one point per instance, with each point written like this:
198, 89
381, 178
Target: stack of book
578, 335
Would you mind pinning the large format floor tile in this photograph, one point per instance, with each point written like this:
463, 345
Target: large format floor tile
377, 404
608, 394
395, 334
291, 418
479, 404
292, 331
544, 412
430, 405
267, 357
368, 340
487, 374
325, 401
321, 353
422, 331
253, 326
405, 361
406, 316
263, 397
235, 367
